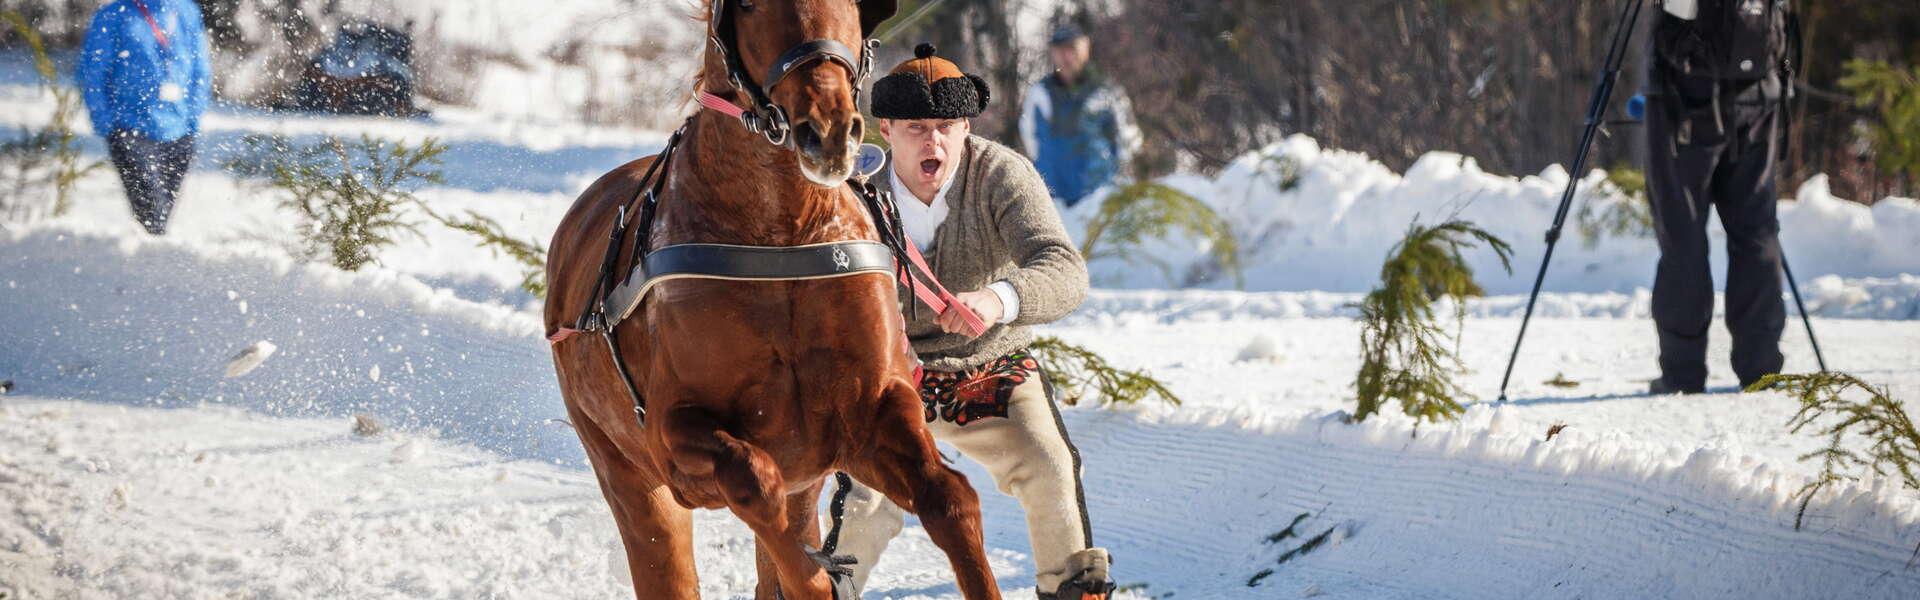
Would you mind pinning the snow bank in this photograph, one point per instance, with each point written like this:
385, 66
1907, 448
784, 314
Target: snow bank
1331, 229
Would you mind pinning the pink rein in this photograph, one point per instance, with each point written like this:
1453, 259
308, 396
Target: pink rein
720, 105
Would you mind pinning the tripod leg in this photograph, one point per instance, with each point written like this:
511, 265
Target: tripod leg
1802, 307
1596, 114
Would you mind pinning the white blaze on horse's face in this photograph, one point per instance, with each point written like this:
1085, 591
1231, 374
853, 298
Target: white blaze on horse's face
926, 152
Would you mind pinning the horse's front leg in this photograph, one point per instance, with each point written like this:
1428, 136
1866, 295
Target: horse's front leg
803, 525
751, 484
904, 465
656, 531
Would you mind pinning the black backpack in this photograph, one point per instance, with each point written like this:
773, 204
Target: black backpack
1727, 39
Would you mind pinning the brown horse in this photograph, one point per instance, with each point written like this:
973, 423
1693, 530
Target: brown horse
753, 391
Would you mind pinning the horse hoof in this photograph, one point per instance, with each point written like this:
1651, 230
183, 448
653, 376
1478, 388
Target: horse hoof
840, 571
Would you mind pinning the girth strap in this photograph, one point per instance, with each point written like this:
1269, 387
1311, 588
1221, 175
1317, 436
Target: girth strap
747, 263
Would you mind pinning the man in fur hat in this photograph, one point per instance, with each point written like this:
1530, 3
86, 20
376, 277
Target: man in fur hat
987, 224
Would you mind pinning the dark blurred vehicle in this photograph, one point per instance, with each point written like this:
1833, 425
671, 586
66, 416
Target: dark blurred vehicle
367, 70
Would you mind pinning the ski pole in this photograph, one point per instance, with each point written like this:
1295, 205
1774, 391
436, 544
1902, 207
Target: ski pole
1596, 114
1795, 53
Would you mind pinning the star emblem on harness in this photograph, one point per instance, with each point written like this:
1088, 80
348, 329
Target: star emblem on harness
841, 261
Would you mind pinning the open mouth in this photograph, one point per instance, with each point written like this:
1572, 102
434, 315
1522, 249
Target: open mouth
929, 167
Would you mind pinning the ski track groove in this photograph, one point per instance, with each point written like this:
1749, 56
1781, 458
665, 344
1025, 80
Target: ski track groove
1385, 487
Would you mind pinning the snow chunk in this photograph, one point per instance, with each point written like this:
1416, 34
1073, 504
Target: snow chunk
364, 425
250, 358
1261, 348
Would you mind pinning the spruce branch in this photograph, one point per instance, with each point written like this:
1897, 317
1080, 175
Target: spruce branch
531, 256
1404, 356
351, 195
48, 156
1618, 208
1827, 408
1077, 371
1133, 215
1893, 94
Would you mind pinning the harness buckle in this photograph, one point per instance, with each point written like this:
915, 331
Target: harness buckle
776, 129
866, 60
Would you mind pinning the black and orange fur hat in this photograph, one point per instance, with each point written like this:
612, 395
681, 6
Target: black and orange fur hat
929, 87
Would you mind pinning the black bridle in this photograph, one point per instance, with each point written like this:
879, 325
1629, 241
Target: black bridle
764, 117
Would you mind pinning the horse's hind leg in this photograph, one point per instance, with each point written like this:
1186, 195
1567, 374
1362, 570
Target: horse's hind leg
904, 464
656, 532
752, 486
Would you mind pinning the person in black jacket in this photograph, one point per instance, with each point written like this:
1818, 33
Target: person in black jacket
1713, 124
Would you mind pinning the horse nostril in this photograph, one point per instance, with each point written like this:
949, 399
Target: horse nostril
858, 130
806, 136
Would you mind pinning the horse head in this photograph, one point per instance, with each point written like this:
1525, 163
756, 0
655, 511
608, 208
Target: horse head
804, 60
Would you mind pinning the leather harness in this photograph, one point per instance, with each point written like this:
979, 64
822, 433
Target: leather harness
893, 256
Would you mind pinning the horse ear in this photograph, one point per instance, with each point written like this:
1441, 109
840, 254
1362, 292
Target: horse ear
980, 85
875, 12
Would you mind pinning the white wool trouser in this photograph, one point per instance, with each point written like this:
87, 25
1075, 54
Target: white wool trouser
1030, 458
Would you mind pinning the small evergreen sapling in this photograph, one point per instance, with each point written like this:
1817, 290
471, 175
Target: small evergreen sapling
1893, 93
49, 155
1618, 208
351, 195
1144, 211
1404, 353
1827, 407
1076, 371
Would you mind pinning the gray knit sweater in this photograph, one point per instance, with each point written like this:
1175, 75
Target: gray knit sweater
1001, 225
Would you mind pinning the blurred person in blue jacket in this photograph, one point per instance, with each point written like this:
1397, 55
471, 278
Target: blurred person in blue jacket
145, 75
1077, 125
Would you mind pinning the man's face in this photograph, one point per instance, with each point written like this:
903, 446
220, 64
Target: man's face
1070, 58
925, 151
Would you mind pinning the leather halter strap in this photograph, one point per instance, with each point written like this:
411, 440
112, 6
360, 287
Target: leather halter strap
761, 115
809, 52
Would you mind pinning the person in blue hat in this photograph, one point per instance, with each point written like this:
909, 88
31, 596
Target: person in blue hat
1077, 125
146, 79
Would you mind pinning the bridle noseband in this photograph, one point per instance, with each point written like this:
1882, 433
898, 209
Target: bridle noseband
762, 116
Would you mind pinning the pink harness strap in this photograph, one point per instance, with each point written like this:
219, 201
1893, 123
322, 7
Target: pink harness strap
936, 296
720, 105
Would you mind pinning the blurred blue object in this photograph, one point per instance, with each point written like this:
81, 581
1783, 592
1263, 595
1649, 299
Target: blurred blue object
152, 77
871, 159
1637, 107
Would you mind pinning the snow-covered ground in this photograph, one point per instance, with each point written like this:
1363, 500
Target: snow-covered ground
132, 465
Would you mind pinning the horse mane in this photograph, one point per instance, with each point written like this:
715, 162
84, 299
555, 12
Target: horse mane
710, 69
